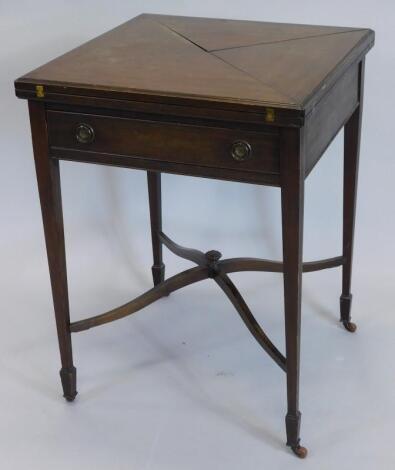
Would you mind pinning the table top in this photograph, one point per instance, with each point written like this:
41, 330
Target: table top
209, 62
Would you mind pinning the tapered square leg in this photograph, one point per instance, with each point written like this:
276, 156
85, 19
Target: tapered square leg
292, 202
352, 136
48, 179
68, 376
155, 204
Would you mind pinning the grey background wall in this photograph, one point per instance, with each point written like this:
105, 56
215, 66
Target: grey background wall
182, 385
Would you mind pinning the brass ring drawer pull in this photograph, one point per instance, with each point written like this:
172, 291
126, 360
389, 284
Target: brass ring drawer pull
241, 150
85, 134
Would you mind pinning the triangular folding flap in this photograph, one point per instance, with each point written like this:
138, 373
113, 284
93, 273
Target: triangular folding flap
294, 67
213, 34
144, 55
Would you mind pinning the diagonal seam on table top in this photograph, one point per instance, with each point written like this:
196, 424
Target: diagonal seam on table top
220, 59
181, 35
264, 43
294, 100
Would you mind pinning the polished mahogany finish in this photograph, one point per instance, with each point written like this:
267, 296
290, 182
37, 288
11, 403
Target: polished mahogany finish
234, 100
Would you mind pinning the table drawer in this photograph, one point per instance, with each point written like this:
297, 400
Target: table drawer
165, 141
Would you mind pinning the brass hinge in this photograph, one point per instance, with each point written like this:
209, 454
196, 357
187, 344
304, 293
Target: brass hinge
270, 116
40, 91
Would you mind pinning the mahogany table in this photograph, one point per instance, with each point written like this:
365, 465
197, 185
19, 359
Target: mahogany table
233, 100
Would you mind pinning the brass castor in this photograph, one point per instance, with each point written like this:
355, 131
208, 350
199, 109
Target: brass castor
350, 326
300, 451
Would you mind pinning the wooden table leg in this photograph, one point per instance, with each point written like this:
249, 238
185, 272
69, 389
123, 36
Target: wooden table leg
48, 179
155, 204
352, 136
292, 201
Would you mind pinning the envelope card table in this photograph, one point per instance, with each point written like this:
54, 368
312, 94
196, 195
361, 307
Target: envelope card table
241, 101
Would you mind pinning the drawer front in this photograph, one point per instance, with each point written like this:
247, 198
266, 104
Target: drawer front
164, 141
